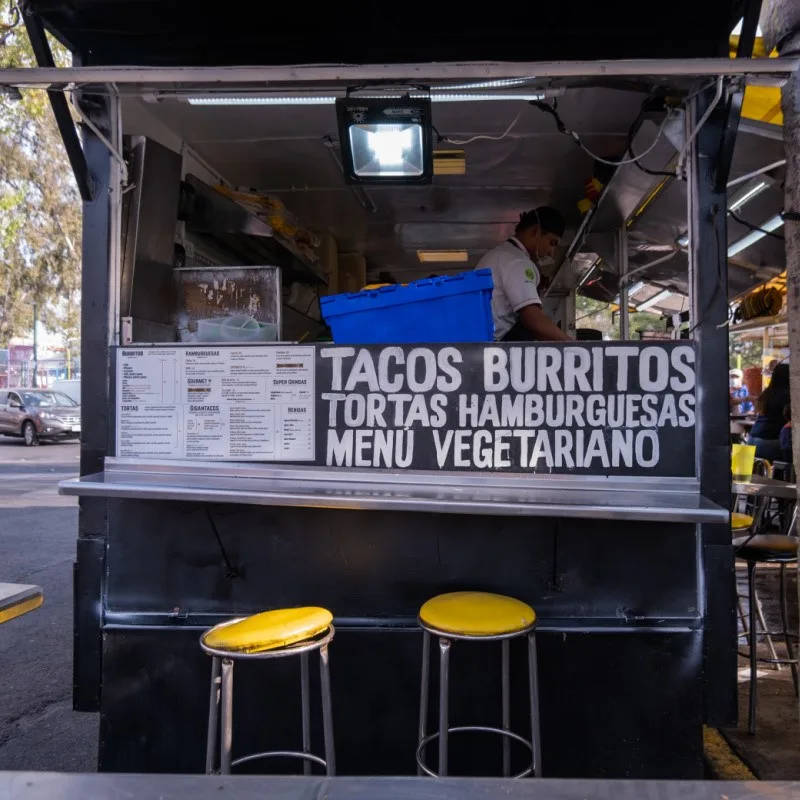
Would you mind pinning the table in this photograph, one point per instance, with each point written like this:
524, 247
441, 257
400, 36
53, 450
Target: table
17, 599
741, 424
765, 487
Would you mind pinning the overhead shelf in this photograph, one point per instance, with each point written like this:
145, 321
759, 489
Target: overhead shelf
210, 213
759, 323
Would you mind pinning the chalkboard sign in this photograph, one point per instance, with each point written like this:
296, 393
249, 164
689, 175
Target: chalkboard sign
605, 408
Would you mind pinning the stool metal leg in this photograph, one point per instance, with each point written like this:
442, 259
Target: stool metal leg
227, 716
444, 676
423, 691
506, 710
751, 588
785, 621
213, 716
306, 710
533, 677
327, 711
763, 622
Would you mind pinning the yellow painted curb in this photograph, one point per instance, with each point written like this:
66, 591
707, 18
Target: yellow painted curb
724, 762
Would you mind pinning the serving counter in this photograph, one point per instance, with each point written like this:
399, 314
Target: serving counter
644, 499
367, 480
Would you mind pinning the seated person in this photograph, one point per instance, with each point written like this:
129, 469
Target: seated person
741, 402
785, 436
770, 415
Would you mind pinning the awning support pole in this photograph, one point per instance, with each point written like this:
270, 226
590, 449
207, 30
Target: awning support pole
58, 101
622, 271
708, 272
733, 106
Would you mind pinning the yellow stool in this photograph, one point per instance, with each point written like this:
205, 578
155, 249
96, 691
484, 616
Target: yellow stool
740, 522
271, 634
477, 617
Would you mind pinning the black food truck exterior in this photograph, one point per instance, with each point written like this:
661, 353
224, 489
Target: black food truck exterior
590, 480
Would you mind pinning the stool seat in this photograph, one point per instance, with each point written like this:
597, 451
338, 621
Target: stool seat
740, 521
766, 547
269, 630
476, 614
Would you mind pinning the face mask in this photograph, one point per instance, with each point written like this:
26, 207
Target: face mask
546, 261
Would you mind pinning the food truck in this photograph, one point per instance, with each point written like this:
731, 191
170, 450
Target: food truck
239, 455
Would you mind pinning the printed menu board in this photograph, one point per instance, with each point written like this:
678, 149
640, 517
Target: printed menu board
216, 403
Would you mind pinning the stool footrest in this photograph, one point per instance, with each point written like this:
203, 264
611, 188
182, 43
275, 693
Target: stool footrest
474, 729
765, 660
281, 754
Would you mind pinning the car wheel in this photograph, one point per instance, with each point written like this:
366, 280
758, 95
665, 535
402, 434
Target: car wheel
29, 434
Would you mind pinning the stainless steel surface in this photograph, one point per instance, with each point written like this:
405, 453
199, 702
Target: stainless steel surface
445, 643
308, 758
423, 691
213, 716
227, 659
765, 487
444, 704
327, 710
379, 476
226, 78
470, 637
506, 691
533, 679
305, 698
507, 737
110, 786
667, 500
306, 646
227, 717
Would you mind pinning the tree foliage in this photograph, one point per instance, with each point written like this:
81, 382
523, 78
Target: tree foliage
40, 209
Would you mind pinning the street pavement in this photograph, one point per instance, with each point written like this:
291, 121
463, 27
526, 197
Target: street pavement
38, 530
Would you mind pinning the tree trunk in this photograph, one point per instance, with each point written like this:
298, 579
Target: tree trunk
791, 132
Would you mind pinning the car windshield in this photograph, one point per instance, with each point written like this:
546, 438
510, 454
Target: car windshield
46, 399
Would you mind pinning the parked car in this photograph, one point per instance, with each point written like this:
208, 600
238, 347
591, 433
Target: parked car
71, 388
38, 414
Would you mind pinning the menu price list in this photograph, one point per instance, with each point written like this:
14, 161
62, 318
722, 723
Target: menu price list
220, 403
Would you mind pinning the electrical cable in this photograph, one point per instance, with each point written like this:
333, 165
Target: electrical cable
631, 133
562, 128
484, 136
628, 275
755, 227
702, 121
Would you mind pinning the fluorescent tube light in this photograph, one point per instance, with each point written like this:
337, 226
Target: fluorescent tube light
738, 200
654, 300
441, 256
327, 100
274, 100
748, 194
755, 236
636, 288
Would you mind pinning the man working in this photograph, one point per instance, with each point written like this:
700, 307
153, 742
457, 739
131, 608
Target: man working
516, 307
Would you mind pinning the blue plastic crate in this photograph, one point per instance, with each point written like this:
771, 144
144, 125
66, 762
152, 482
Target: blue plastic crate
450, 308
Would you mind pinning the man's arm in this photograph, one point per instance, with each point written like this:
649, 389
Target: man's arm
541, 326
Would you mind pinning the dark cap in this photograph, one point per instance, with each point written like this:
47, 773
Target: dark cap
549, 219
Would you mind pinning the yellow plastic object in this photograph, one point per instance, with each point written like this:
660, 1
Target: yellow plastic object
742, 458
18, 609
740, 522
476, 614
269, 630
